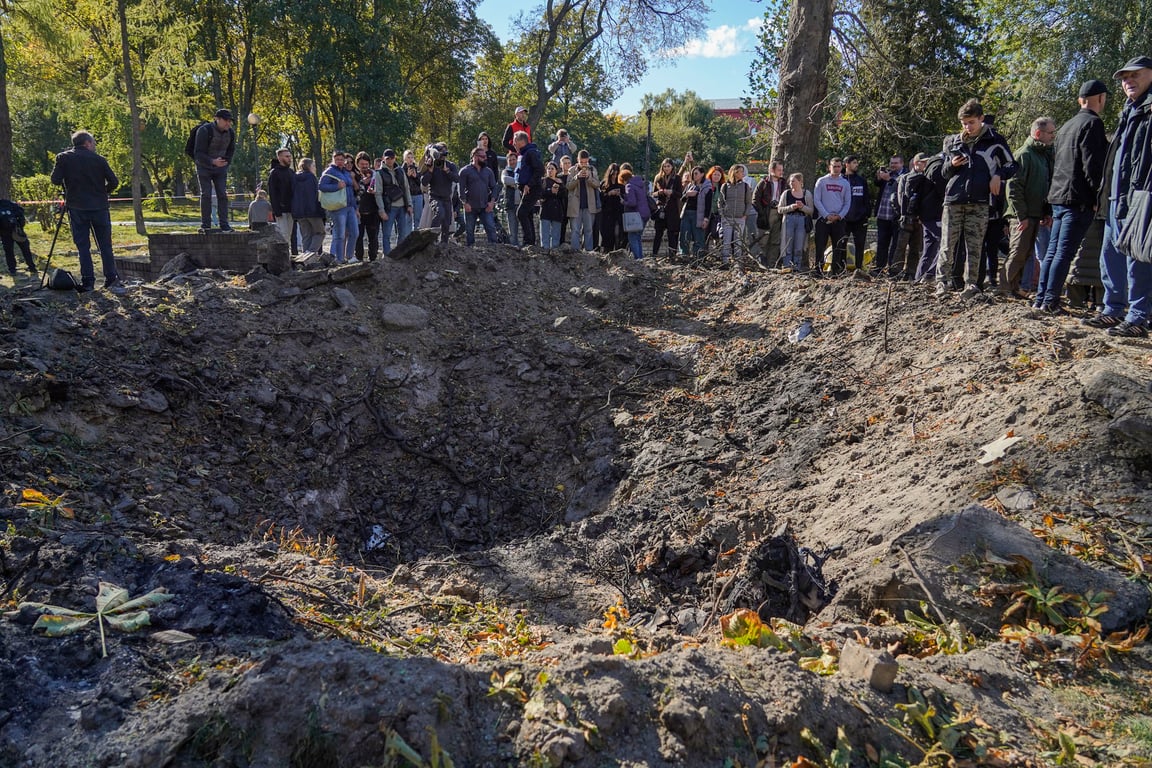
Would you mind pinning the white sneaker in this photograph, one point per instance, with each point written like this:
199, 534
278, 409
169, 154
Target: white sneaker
353, 260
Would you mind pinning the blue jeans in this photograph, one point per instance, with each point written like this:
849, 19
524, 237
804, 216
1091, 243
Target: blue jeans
691, 236
345, 229
795, 240
1113, 272
1030, 277
213, 180
581, 227
486, 219
549, 233
399, 219
417, 210
1068, 228
634, 244
85, 226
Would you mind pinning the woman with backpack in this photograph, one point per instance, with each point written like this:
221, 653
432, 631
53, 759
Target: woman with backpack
337, 178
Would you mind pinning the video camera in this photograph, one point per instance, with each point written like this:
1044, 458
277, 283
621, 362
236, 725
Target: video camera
435, 154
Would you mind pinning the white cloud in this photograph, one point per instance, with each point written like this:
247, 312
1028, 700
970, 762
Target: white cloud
720, 43
753, 25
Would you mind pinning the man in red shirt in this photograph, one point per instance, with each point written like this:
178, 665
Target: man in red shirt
519, 123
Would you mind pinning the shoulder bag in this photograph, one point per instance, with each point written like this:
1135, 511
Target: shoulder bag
334, 200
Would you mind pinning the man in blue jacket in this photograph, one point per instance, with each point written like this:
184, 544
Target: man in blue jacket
529, 172
215, 145
1128, 168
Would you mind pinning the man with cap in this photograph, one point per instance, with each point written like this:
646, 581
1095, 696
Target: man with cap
281, 179
519, 123
215, 144
1077, 172
393, 199
1127, 282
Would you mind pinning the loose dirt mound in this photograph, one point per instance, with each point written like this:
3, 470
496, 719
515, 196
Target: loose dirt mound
495, 503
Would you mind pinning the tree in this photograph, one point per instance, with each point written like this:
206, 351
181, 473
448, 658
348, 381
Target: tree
5, 114
565, 33
133, 116
803, 84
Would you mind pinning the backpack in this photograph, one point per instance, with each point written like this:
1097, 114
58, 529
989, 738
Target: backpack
190, 146
62, 280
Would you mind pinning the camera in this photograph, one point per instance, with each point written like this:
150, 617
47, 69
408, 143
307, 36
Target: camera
435, 154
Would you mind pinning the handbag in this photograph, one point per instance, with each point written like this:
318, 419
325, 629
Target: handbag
1134, 239
334, 200
633, 221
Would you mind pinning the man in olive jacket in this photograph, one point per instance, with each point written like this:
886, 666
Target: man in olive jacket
1028, 208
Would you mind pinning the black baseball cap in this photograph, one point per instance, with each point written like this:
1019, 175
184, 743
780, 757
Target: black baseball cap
1092, 88
224, 113
1140, 62
389, 153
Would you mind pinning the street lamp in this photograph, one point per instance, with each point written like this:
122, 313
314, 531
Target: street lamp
253, 121
648, 143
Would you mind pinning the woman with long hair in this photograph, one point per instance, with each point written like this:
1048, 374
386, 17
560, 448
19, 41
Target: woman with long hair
666, 188
706, 216
691, 233
611, 209
553, 206
795, 208
733, 202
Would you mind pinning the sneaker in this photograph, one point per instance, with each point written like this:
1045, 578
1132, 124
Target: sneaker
226, 228
85, 288
1102, 321
1128, 330
970, 292
204, 230
353, 260
114, 286
941, 290
1053, 309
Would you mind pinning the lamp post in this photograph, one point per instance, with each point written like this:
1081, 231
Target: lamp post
648, 143
253, 122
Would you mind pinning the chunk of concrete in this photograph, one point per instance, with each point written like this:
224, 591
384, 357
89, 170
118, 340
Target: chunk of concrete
877, 668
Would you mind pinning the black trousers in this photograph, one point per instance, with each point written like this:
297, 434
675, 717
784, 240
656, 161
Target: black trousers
526, 215
370, 231
835, 231
857, 231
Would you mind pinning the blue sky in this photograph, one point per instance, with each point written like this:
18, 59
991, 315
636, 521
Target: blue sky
715, 65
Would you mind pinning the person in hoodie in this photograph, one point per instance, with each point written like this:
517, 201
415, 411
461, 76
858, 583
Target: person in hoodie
281, 179
977, 163
635, 200
478, 195
306, 210
1077, 172
344, 225
529, 172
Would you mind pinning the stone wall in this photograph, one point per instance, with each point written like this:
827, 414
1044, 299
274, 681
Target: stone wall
239, 251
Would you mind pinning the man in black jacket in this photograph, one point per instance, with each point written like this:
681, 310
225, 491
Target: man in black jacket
856, 222
215, 144
1127, 168
88, 180
1077, 172
280, 180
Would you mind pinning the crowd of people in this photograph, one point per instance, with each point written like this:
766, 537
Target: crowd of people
1070, 209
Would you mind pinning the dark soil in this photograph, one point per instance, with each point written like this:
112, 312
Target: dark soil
494, 504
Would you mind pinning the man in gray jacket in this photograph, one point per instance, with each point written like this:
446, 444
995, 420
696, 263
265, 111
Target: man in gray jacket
215, 144
478, 194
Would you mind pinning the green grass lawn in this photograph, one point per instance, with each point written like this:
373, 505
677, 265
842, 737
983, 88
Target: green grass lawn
183, 215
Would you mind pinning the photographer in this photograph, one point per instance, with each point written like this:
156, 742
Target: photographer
439, 174
88, 180
12, 223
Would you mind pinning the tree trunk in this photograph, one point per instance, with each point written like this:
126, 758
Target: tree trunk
134, 117
803, 86
5, 127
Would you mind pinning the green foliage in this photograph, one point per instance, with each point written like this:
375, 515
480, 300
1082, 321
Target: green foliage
37, 188
114, 607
